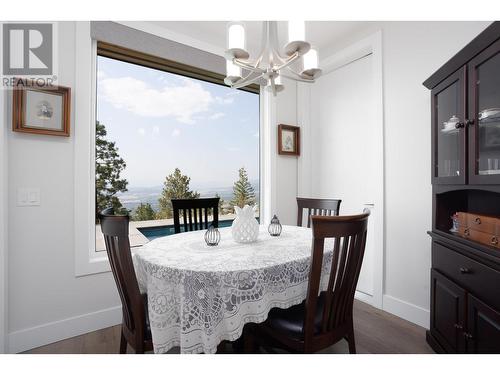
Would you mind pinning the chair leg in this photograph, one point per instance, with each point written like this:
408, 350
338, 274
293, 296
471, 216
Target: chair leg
352, 342
249, 343
123, 344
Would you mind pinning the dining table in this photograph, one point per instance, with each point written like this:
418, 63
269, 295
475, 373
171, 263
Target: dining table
200, 295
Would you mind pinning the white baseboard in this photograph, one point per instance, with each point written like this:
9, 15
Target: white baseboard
34, 337
406, 310
363, 297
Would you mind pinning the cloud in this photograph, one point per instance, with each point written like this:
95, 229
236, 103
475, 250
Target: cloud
233, 149
217, 115
141, 131
256, 135
228, 99
182, 102
156, 130
176, 132
101, 74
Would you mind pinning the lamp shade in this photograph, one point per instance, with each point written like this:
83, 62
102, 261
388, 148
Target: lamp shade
296, 31
235, 36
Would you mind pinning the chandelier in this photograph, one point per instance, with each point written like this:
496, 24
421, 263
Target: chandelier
272, 63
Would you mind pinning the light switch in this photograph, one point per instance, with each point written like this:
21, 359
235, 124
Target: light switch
28, 197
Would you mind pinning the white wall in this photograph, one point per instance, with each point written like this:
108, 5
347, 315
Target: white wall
412, 51
286, 166
46, 302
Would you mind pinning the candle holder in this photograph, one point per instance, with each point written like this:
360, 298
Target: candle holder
212, 236
275, 227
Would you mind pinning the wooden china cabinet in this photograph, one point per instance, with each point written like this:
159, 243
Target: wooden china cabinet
465, 275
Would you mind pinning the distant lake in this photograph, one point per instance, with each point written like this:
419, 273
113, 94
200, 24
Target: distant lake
137, 195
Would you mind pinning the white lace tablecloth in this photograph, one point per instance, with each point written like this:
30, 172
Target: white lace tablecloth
200, 295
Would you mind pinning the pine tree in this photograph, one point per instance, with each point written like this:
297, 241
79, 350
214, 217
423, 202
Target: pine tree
176, 186
243, 192
221, 203
144, 212
108, 167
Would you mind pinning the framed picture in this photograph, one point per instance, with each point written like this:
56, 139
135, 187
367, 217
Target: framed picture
41, 110
288, 140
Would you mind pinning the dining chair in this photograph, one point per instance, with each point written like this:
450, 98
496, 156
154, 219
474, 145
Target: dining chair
323, 207
195, 213
135, 329
325, 318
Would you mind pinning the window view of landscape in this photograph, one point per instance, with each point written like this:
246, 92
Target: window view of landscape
161, 136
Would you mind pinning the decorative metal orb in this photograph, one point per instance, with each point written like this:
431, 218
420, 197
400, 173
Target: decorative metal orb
212, 236
275, 227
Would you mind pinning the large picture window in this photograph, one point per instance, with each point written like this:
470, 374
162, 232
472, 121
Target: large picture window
162, 135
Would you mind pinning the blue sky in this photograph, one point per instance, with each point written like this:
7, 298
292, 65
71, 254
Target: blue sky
161, 121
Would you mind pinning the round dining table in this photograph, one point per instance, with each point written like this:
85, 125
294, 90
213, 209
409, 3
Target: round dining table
200, 295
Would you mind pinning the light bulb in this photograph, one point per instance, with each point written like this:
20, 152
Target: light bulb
232, 70
296, 31
236, 36
311, 59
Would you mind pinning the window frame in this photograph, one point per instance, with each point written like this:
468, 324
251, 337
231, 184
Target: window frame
87, 260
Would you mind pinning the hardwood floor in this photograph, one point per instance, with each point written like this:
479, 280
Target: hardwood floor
376, 332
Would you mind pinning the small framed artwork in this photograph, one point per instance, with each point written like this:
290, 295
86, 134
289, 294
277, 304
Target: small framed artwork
41, 110
288, 140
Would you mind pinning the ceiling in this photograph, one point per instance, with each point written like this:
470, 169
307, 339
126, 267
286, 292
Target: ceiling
326, 36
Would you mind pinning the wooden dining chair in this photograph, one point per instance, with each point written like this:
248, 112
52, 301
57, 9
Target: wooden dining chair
322, 207
323, 318
135, 328
195, 213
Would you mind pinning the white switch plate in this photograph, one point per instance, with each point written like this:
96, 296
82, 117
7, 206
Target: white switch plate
28, 197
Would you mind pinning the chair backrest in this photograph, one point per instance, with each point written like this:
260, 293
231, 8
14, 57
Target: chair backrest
195, 213
349, 233
115, 231
321, 207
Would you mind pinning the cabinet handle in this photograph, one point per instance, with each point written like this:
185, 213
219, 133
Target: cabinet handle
477, 220
466, 232
464, 270
494, 240
468, 336
459, 125
458, 326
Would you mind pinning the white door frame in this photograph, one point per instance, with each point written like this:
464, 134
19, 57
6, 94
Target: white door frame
371, 45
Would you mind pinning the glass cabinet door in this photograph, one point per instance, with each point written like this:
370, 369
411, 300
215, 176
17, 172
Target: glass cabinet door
484, 112
449, 134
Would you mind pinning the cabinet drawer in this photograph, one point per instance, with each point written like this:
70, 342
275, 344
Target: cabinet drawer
480, 223
477, 278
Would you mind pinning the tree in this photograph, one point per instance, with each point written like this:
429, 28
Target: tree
176, 186
144, 212
243, 192
108, 168
221, 203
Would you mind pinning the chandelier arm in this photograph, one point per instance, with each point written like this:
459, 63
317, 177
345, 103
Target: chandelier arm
248, 66
246, 81
288, 61
297, 77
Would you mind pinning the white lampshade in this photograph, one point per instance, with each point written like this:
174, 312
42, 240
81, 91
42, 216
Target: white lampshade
235, 36
296, 31
233, 71
311, 60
